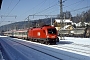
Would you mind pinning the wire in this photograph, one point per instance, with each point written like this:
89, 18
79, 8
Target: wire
48, 8
34, 7
79, 2
74, 3
64, 1
41, 5
80, 8
45, 9
77, 5
8, 6
12, 9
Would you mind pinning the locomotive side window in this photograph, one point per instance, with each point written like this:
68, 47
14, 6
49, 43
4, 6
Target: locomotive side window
52, 31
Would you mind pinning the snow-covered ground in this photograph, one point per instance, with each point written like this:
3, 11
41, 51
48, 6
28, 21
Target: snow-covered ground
69, 49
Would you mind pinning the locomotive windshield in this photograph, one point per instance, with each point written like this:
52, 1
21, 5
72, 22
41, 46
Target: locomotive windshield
52, 31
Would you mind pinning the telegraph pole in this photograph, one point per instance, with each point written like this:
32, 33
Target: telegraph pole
61, 17
61, 11
51, 21
28, 23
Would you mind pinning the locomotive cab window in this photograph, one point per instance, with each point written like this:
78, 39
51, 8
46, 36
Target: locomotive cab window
52, 31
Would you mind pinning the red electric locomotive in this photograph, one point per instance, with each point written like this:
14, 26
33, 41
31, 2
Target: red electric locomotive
46, 34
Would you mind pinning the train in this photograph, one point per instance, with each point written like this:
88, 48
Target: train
46, 34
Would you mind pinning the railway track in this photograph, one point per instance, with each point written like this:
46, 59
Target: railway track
49, 50
74, 49
37, 50
88, 46
81, 48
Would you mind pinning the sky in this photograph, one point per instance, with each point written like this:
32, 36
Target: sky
18, 10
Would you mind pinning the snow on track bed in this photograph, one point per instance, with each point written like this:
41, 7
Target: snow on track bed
23, 49
56, 52
88, 46
38, 50
82, 50
50, 50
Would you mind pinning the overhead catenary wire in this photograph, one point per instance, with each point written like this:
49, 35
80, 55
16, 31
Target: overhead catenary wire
9, 5
53, 6
63, 2
14, 7
42, 2
72, 9
41, 5
35, 14
11, 10
78, 2
80, 8
72, 5
75, 3
44, 9
57, 5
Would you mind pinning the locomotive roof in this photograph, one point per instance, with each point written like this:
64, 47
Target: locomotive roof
43, 27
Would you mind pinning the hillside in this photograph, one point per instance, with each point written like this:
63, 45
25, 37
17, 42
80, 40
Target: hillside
26, 24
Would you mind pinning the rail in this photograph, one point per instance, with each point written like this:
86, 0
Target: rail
11, 53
